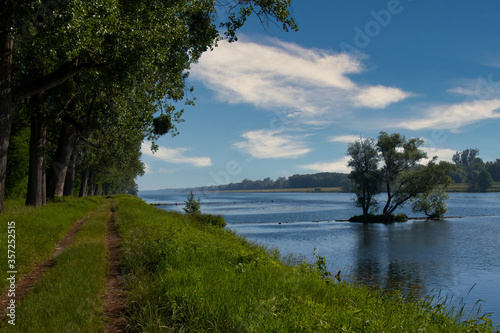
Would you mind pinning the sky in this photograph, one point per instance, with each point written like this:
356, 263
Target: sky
274, 103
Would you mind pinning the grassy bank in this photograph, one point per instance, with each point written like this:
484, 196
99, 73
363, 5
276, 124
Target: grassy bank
184, 276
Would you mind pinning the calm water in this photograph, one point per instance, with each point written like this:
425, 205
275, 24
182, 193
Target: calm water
451, 256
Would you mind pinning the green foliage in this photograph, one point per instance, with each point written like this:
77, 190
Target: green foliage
208, 219
432, 204
365, 176
106, 67
401, 175
485, 181
192, 205
208, 279
161, 124
473, 171
16, 183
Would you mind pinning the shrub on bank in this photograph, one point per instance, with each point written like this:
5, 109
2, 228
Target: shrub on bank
371, 218
215, 220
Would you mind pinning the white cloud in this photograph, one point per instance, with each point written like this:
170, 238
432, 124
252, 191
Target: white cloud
271, 144
175, 155
344, 138
379, 97
147, 169
481, 88
454, 116
443, 154
335, 166
307, 82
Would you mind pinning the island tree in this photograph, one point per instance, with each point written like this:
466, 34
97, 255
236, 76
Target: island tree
401, 175
365, 175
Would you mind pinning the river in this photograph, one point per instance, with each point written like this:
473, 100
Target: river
458, 257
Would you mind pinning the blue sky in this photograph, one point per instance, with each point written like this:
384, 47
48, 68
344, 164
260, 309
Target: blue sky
275, 104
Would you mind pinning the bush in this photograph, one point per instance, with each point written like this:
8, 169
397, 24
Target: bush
192, 205
371, 218
215, 220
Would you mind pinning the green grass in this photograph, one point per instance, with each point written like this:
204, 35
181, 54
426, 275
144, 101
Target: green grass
186, 277
69, 297
38, 230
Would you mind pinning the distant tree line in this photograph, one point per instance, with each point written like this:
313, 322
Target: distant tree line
323, 179
473, 171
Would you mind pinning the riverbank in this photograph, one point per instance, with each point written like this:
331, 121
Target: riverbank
185, 276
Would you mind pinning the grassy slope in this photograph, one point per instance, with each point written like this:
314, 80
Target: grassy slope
187, 277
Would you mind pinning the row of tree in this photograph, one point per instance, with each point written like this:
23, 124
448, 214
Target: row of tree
81, 81
323, 179
471, 169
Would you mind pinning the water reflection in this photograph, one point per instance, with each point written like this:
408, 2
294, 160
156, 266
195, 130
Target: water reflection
402, 255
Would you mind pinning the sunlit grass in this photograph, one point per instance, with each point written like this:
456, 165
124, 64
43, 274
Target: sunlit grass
187, 277
70, 296
38, 230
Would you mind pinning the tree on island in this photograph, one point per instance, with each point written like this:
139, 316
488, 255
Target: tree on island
366, 176
400, 174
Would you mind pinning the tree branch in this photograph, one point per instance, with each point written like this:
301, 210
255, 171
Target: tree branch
66, 71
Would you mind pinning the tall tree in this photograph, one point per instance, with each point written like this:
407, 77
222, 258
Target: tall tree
152, 41
365, 174
399, 157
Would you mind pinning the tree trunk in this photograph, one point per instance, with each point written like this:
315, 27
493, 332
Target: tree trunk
92, 189
69, 183
83, 187
59, 166
36, 174
6, 104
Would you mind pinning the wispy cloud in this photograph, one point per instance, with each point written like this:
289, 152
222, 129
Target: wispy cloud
344, 138
333, 166
453, 116
307, 82
175, 155
271, 144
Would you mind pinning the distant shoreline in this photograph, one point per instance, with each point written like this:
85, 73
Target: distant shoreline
461, 188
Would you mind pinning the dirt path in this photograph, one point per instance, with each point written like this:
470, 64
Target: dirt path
26, 283
115, 297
